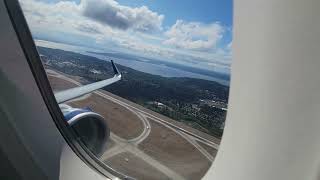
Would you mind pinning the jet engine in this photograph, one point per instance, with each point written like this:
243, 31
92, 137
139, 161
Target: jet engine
90, 127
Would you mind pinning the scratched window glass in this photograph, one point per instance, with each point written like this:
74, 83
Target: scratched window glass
161, 111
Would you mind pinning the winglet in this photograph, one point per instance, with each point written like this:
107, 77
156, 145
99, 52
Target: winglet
115, 69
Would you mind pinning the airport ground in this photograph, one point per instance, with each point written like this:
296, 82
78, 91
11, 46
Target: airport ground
144, 144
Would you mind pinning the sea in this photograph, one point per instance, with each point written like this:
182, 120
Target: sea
143, 65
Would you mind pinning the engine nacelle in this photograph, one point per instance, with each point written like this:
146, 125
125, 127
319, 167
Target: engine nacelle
91, 128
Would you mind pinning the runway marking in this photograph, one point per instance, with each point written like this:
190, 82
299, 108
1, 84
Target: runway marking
209, 143
132, 148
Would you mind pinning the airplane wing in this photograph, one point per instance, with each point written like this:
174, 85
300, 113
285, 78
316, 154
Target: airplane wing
72, 93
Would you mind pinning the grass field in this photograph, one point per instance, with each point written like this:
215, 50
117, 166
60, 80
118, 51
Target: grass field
173, 151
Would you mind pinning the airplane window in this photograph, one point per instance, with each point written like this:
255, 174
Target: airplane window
158, 109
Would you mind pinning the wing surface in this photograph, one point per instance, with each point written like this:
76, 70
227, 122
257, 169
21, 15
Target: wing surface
72, 93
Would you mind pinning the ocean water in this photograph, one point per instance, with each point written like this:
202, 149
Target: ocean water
139, 65
157, 69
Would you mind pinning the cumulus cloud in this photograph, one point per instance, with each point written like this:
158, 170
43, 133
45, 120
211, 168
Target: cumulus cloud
50, 16
88, 27
111, 13
106, 23
33, 7
194, 35
229, 46
105, 12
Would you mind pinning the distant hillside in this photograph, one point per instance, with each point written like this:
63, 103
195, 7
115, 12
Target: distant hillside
222, 76
181, 96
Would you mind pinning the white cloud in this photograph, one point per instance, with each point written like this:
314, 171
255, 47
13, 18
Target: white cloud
88, 27
38, 8
194, 35
229, 46
96, 13
111, 13
63, 15
196, 42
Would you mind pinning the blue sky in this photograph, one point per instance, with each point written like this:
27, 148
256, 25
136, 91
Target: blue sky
194, 33
205, 11
190, 10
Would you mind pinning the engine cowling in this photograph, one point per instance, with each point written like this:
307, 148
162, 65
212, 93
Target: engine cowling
90, 127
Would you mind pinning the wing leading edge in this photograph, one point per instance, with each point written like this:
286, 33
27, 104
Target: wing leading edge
72, 93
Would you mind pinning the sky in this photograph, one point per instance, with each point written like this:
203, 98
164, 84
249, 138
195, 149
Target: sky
189, 32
